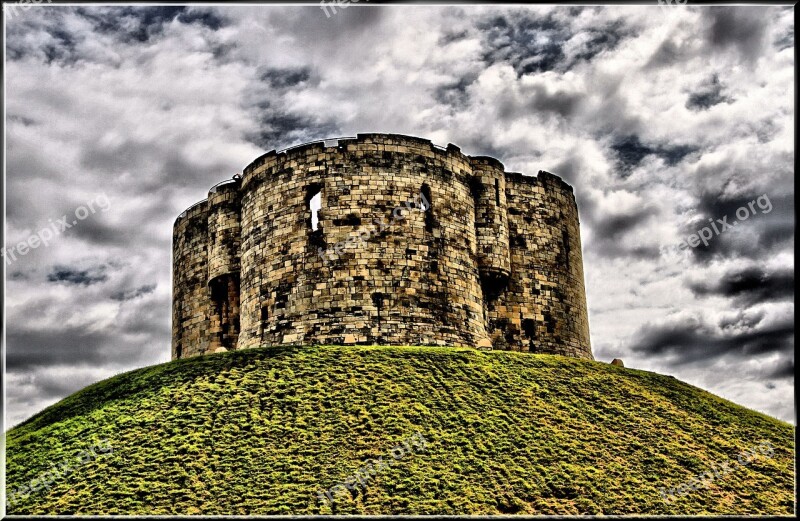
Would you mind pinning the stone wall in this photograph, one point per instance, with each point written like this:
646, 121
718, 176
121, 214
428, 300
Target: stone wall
415, 244
190, 300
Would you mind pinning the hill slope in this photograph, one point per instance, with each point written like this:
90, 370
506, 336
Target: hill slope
262, 431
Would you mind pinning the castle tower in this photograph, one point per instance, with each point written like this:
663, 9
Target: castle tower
491, 222
413, 244
224, 240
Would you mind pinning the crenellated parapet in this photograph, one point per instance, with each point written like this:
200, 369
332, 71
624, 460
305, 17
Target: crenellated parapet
412, 244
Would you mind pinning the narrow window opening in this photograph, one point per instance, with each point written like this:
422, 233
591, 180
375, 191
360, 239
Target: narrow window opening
315, 204
427, 206
529, 327
565, 246
475, 187
314, 216
497, 192
377, 300
178, 351
264, 317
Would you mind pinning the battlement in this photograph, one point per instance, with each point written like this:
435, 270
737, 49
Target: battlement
413, 244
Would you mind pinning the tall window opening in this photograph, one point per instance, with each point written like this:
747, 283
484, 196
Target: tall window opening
529, 327
377, 300
314, 204
427, 206
565, 247
497, 192
476, 187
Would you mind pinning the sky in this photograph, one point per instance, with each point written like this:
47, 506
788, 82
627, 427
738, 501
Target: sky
666, 120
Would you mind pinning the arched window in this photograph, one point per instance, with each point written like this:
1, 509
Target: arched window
314, 204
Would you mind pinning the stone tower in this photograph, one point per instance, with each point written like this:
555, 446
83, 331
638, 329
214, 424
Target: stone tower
414, 244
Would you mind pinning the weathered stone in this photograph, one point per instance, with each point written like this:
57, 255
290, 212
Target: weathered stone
416, 244
617, 361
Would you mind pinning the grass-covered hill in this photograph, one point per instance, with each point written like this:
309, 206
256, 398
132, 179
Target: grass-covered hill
264, 431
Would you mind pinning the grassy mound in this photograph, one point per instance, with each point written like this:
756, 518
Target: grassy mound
264, 431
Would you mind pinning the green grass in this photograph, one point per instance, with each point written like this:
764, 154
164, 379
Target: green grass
262, 431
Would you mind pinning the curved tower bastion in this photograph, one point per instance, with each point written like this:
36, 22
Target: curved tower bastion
413, 244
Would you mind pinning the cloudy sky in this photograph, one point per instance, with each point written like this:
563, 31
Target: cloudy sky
661, 118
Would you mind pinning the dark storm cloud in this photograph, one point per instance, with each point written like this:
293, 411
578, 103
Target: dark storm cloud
285, 78
78, 277
785, 41
531, 43
455, 94
133, 293
450, 37
743, 319
630, 152
610, 230
140, 24
55, 387
753, 238
50, 385
785, 369
615, 250
750, 286
63, 43
601, 40
707, 95
27, 122
612, 227
58, 44
97, 232
739, 28
67, 345
44, 347
56, 333
564, 104
278, 129
668, 53
693, 341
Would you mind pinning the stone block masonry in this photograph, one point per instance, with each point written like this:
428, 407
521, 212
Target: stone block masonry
495, 260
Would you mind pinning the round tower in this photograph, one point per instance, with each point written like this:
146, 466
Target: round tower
190, 303
491, 223
224, 241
